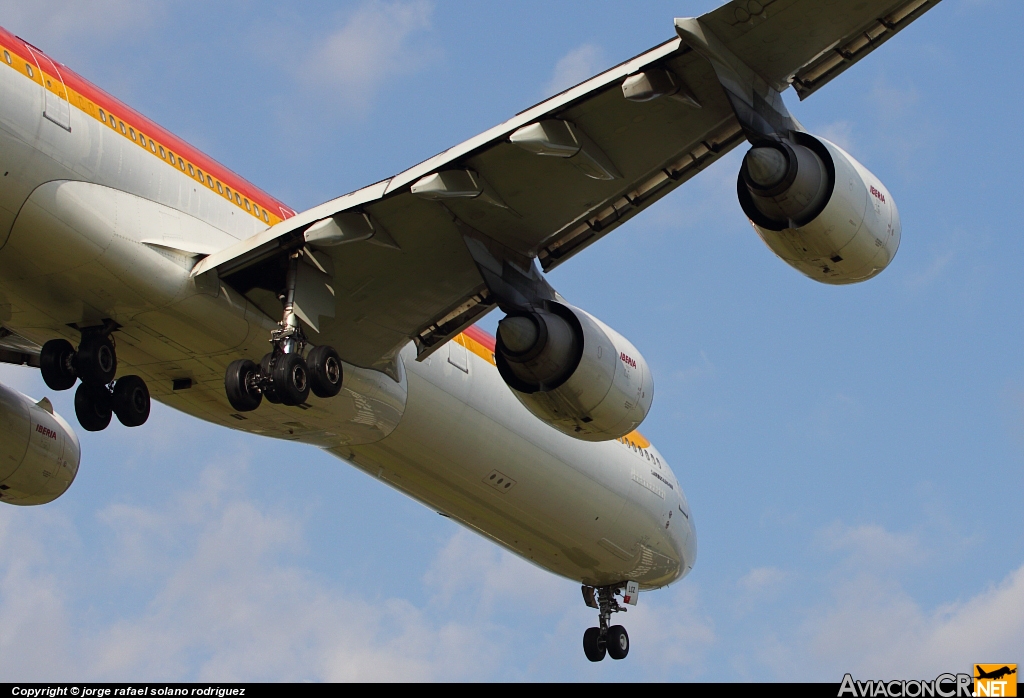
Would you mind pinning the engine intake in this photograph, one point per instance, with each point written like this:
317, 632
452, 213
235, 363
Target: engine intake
819, 209
574, 372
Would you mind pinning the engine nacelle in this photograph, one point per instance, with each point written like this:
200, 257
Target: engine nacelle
574, 372
39, 452
819, 209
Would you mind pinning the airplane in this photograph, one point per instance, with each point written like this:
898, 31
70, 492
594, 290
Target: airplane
137, 268
996, 674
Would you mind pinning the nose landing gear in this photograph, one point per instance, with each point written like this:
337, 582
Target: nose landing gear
98, 397
283, 376
613, 641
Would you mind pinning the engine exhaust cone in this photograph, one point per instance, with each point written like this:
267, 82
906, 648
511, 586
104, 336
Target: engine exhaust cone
766, 167
519, 334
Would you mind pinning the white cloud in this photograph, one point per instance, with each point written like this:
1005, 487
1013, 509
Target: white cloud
582, 63
840, 133
375, 44
221, 600
876, 629
871, 545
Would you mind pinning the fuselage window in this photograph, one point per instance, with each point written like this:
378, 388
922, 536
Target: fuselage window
181, 163
121, 124
152, 145
103, 116
202, 180
170, 156
238, 199
265, 217
7, 57
256, 210
162, 153
28, 69
131, 132
113, 122
191, 171
142, 140
247, 205
220, 188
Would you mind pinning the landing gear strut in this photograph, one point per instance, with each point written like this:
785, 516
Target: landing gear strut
98, 397
284, 376
613, 640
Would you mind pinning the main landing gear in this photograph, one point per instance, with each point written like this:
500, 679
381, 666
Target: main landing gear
284, 377
613, 640
99, 396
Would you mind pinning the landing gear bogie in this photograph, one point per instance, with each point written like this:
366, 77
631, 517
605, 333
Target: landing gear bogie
284, 377
604, 640
98, 397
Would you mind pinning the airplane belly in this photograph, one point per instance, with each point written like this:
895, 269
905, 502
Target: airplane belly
468, 449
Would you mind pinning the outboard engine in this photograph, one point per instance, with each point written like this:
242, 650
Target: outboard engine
819, 209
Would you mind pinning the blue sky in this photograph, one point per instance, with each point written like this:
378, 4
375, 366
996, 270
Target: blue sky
853, 455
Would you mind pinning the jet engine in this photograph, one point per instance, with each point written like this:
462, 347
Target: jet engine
574, 372
39, 453
819, 209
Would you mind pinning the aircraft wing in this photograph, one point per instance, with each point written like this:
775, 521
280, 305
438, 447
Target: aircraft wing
545, 184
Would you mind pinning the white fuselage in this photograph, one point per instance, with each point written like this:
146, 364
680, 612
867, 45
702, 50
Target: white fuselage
96, 226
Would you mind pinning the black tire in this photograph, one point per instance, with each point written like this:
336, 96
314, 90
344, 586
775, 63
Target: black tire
617, 642
93, 406
268, 391
97, 361
325, 372
593, 646
239, 386
291, 379
57, 364
131, 401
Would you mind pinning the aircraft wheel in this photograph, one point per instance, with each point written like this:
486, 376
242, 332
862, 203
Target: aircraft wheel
325, 372
268, 392
291, 379
57, 364
239, 384
93, 407
617, 642
593, 646
96, 362
131, 401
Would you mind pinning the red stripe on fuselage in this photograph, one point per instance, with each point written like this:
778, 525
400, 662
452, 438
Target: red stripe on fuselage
112, 105
478, 335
